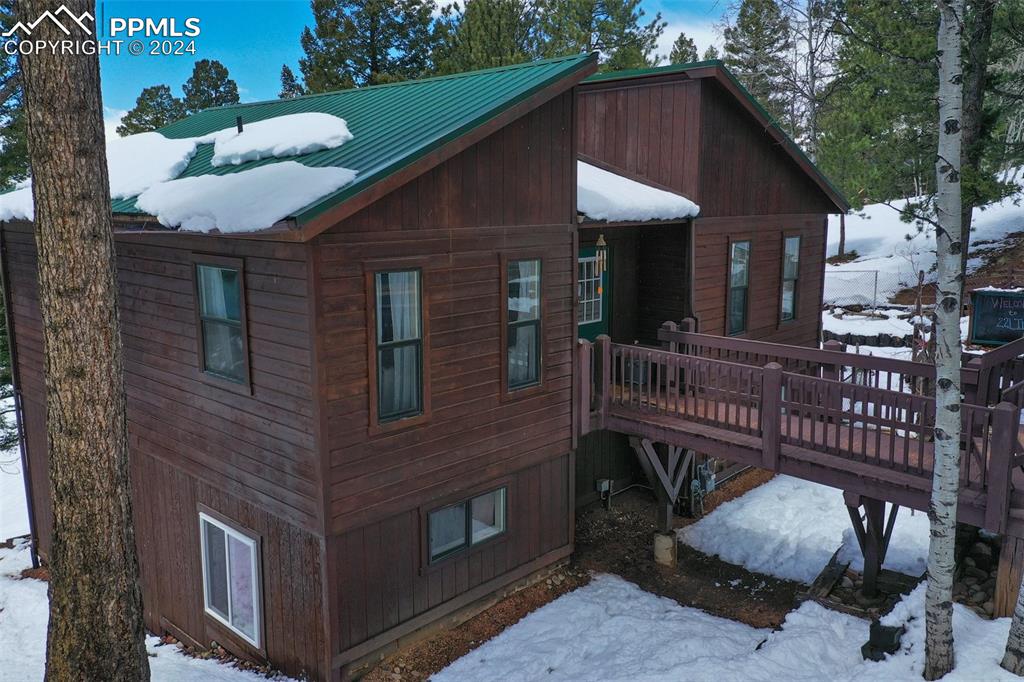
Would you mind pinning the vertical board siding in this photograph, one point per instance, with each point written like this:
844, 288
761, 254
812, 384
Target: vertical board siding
512, 195
603, 454
509, 194
710, 282
648, 130
379, 568
743, 170
167, 522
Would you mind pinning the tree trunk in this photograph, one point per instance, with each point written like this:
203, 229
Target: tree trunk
939, 657
842, 234
96, 630
1013, 658
979, 45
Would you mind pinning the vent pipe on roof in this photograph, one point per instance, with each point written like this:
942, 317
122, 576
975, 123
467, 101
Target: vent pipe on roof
238, 122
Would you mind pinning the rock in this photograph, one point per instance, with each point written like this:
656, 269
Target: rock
989, 585
975, 572
989, 607
982, 554
847, 583
970, 581
978, 597
968, 561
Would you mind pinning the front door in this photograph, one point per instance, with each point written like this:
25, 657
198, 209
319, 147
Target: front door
593, 294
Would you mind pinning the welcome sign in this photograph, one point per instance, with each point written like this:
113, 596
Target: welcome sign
997, 316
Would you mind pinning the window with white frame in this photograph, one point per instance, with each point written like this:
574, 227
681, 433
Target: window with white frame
589, 291
231, 578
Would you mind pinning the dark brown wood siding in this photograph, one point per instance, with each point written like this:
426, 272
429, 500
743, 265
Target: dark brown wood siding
743, 171
166, 502
194, 442
648, 130
511, 195
383, 582
710, 282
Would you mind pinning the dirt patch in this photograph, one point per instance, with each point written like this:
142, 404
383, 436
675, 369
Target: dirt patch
423, 659
617, 541
41, 573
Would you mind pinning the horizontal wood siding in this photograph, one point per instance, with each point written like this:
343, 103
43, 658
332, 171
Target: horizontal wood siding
647, 130
510, 194
166, 509
379, 569
743, 171
710, 282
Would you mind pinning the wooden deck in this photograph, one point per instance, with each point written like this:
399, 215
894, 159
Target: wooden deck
862, 437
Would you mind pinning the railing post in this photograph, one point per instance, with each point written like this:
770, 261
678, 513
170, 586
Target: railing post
770, 415
603, 378
670, 346
833, 371
585, 353
1005, 425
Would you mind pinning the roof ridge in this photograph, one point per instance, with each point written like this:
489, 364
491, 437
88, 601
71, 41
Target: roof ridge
412, 81
651, 70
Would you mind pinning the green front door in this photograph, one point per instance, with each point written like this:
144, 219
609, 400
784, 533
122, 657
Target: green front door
593, 293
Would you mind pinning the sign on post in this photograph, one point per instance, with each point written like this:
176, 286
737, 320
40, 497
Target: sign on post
997, 316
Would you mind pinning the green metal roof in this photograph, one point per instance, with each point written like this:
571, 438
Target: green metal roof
717, 64
392, 125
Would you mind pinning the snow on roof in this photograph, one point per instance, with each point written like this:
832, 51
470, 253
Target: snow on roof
603, 195
290, 135
241, 202
140, 162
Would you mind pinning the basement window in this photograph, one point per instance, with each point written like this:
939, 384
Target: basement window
467, 523
231, 578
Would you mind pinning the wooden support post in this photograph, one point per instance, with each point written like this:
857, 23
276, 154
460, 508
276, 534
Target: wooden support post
770, 415
874, 551
1011, 564
585, 377
603, 377
689, 326
1005, 420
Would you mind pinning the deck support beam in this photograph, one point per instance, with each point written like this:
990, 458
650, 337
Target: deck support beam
873, 530
666, 472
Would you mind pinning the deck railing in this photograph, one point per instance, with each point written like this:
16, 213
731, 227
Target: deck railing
889, 430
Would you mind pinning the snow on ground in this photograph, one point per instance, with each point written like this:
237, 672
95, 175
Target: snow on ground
23, 619
241, 202
613, 631
602, 195
883, 322
13, 511
142, 163
898, 250
789, 528
291, 135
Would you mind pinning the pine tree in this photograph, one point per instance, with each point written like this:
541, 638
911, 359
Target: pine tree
684, 50
487, 33
756, 48
365, 42
154, 108
13, 147
615, 28
95, 627
290, 86
711, 53
209, 86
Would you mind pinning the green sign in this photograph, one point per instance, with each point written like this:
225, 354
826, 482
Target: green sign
997, 317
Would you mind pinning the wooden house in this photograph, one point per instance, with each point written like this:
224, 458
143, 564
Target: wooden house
370, 414
751, 265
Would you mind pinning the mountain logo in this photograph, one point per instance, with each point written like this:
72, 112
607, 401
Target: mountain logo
52, 16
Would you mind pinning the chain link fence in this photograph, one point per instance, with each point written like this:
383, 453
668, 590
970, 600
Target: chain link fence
866, 288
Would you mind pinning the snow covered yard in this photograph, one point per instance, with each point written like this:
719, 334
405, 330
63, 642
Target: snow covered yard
789, 528
611, 630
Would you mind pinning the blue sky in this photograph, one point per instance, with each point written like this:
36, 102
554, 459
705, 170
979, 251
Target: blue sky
254, 38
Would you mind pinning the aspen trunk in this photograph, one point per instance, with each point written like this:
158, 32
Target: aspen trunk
1013, 658
939, 656
95, 630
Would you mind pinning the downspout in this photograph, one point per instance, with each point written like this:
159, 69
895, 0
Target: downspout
5, 283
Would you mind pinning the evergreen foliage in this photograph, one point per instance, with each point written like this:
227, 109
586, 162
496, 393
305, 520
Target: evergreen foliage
711, 53
290, 86
684, 50
13, 145
154, 108
366, 42
617, 29
757, 44
209, 86
487, 33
